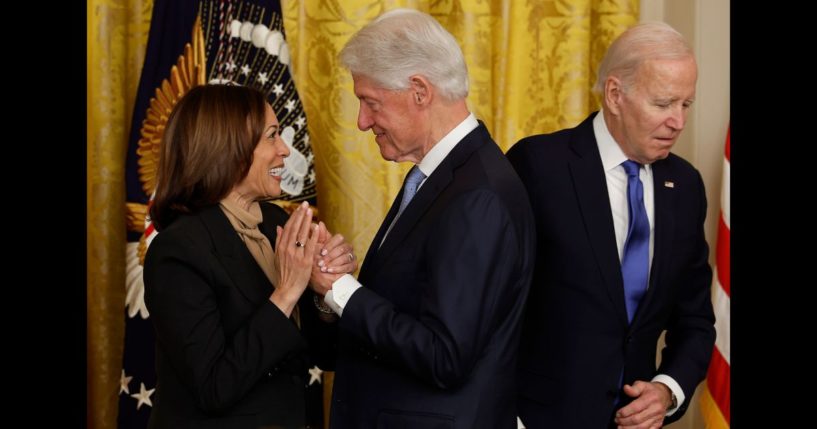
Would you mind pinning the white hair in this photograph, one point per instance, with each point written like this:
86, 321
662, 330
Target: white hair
645, 41
404, 42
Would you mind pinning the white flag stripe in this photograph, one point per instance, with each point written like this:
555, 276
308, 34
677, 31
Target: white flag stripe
721, 304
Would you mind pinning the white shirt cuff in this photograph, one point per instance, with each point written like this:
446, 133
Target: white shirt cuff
342, 290
676, 389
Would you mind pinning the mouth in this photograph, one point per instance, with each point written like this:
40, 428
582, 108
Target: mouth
276, 171
666, 141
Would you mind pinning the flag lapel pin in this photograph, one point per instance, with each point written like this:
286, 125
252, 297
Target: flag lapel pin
669, 184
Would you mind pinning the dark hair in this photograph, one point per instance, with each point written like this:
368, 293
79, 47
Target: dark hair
207, 148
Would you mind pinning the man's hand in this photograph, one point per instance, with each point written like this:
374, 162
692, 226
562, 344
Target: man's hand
333, 258
647, 411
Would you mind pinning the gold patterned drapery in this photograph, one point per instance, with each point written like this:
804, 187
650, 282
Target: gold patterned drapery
116, 40
531, 63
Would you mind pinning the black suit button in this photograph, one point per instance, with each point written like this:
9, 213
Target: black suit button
629, 339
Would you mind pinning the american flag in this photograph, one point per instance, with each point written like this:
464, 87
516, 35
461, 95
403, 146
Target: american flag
193, 42
716, 394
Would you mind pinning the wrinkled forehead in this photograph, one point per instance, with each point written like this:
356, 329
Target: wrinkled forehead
677, 74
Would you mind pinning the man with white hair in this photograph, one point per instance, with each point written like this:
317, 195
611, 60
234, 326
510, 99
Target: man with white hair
430, 341
621, 254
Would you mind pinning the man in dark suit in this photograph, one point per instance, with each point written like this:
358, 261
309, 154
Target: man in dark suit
621, 253
431, 339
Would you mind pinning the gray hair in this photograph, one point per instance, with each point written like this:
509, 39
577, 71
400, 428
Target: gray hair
404, 42
645, 41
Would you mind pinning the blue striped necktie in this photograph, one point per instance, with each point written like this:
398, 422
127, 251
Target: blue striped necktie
413, 180
635, 262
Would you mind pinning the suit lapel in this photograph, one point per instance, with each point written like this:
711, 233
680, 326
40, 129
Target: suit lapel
422, 200
235, 257
590, 183
664, 203
426, 195
368, 261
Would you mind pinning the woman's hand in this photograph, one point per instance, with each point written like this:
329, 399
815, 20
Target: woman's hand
295, 246
335, 257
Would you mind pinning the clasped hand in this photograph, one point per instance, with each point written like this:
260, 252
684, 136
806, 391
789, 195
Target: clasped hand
301, 242
334, 258
295, 247
647, 411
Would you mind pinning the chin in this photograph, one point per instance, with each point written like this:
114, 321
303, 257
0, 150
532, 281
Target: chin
272, 195
659, 156
386, 155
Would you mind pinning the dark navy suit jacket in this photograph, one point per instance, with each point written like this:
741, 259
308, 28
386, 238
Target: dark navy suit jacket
430, 340
576, 339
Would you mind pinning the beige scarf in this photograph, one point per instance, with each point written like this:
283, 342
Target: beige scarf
245, 222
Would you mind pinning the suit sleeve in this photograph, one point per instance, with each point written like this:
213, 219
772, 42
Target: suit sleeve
180, 293
321, 335
472, 258
690, 330
520, 157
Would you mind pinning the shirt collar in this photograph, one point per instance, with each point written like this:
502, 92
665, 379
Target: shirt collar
443, 147
611, 154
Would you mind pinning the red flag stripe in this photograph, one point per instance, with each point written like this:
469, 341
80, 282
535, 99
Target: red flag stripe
722, 256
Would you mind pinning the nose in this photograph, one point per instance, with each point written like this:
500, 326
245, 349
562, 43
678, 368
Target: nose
678, 118
283, 149
364, 120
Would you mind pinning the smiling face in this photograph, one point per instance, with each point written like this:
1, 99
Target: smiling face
648, 117
393, 117
264, 177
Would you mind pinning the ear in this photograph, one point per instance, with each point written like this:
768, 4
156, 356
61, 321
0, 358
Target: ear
421, 88
613, 94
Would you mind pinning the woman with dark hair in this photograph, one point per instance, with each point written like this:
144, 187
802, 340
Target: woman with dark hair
224, 278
